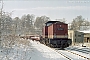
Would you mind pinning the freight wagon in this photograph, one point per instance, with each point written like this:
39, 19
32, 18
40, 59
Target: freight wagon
55, 34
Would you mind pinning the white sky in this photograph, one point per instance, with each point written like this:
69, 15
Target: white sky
55, 9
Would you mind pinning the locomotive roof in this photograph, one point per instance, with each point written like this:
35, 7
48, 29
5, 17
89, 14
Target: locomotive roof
53, 22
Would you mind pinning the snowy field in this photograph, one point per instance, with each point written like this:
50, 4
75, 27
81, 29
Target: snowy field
33, 51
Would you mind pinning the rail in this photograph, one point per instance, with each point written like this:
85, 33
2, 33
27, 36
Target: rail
72, 53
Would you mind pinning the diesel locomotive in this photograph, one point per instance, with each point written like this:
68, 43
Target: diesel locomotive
55, 34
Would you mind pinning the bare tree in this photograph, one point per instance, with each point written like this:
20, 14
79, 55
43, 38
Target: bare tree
1, 9
27, 23
79, 22
16, 25
39, 23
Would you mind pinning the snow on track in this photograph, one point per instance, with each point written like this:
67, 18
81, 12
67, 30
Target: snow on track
53, 54
46, 52
36, 51
70, 55
81, 51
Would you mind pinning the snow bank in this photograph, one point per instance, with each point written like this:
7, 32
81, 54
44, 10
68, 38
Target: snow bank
33, 51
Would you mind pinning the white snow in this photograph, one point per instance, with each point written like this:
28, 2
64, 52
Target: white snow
71, 56
80, 53
34, 51
46, 52
86, 31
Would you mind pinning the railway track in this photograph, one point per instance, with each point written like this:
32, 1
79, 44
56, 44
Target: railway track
79, 55
82, 50
66, 54
69, 55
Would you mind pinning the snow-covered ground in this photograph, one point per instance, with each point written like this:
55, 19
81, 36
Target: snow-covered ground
33, 51
71, 56
46, 53
83, 51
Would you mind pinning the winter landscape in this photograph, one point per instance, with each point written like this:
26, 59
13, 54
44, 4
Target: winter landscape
37, 51
44, 30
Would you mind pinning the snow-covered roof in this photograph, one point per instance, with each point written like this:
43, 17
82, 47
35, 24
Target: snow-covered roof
86, 31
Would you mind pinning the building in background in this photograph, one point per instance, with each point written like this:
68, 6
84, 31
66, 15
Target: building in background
86, 38
76, 36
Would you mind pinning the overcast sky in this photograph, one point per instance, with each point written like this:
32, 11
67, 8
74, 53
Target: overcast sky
55, 9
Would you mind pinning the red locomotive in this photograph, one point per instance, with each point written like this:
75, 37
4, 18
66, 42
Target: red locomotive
55, 34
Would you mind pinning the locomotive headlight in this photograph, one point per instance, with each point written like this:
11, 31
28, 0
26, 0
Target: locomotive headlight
60, 25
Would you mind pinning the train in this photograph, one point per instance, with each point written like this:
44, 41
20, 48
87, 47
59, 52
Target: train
55, 34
